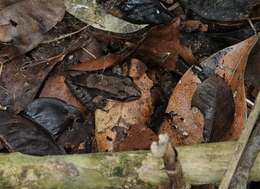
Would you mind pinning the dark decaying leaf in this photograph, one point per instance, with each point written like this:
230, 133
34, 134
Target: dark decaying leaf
64, 122
21, 135
214, 98
87, 86
53, 114
139, 11
223, 10
24, 22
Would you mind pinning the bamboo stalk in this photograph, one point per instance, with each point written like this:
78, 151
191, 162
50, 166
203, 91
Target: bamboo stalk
241, 152
201, 164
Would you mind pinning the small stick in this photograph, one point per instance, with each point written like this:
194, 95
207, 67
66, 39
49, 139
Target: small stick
174, 6
64, 36
252, 25
250, 103
89, 53
1, 68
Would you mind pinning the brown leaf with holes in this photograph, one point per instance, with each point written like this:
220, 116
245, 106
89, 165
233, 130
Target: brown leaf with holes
113, 122
24, 22
186, 124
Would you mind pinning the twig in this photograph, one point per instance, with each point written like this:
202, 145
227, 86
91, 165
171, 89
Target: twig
174, 6
64, 36
252, 26
1, 68
47, 61
89, 53
241, 145
250, 103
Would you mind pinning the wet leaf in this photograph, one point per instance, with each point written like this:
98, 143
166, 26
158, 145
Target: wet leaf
53, 114
94, 14
24, 22
224, 10
64, 122
139, 11
185, 124
116, 117
21, 135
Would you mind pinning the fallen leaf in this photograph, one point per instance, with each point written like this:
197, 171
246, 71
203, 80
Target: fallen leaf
53, 114
24, 22
56, 87
252, 75
165, 41
64, 122
138, 137
92, 13
117, 117
21, 135
228, 10
19, 86
185, 124
214, 98
139, 11
103, 62
165, 44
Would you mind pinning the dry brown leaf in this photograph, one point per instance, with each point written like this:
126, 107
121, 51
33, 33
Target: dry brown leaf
18, 86
118, 116
185, 125
139, 137
24, 22
103, 62
166, 41
195, 25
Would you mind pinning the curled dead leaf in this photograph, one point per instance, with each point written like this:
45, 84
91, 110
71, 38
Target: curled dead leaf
185, 124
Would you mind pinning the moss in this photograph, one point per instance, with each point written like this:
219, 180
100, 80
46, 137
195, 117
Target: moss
118, 172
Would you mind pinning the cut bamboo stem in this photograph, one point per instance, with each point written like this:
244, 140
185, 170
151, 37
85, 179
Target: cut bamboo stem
201, 164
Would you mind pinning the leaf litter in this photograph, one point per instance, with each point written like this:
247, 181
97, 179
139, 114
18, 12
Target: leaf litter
112, 75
